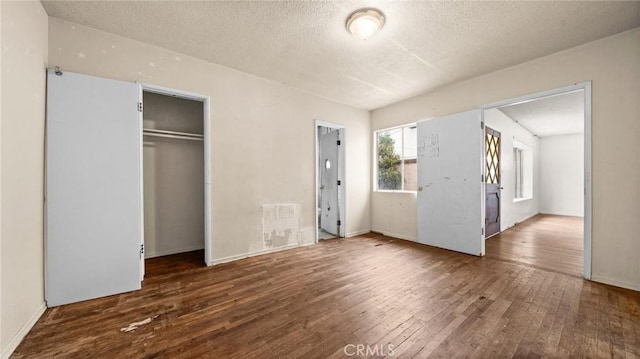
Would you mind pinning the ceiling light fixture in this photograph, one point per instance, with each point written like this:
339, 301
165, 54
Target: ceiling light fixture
365, 23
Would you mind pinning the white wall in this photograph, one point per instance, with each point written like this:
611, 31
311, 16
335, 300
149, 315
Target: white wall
562, 175
262, 133
613, 66
513, 212
24, 58
395, 214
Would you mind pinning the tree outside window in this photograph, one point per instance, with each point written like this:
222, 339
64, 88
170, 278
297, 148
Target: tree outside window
396, 159
389, 163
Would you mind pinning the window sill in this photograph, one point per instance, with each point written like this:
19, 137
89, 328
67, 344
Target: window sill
516, 200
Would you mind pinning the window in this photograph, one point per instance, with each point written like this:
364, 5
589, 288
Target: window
396, 159
517, 154
493, 157
523, 165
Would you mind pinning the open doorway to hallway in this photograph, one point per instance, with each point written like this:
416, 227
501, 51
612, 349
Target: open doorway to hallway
330, 184
538, 167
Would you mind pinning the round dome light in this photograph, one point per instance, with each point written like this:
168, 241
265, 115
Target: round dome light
365, 23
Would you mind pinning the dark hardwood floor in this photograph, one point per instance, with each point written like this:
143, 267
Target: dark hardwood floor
160, 266
411, 300
544, 241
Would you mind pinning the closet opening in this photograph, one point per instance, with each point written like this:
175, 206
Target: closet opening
175, 181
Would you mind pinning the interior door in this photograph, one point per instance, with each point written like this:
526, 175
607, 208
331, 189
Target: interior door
492, 182
329, 176
93, 188
450, 166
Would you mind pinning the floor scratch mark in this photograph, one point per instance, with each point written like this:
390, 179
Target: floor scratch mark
135, 325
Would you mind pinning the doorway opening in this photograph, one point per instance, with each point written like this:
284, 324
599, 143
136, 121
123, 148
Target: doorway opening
175, 180
330, 181
541, 186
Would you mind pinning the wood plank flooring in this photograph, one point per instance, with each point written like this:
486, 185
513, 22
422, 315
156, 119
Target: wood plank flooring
544, 241
161, 266
402, 299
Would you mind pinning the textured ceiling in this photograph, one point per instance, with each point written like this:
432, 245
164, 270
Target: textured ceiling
550, 116
304, 44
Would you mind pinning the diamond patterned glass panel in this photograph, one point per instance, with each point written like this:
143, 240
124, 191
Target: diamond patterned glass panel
493, 159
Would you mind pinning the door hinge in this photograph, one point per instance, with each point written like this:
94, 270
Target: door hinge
338, 142
339, 223
339, 182
482, 231
139, 106
481, 178
141, 249
482, 125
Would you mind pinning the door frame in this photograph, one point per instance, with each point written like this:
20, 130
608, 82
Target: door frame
342, 200
161, 90
586, 87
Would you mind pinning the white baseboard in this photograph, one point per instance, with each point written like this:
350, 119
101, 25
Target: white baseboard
563, 214
357, 233
17, 339
517, 222
614, 282
172, 251
253, 254
398, 235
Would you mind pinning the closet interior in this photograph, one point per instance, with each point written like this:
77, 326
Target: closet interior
173, 166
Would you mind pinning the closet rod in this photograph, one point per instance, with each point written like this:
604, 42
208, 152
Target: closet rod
179, 137
165, 132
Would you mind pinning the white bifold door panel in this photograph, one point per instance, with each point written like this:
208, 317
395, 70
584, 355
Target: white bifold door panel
93, 188
329, 176
450, 187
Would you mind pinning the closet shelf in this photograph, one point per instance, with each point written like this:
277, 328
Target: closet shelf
173, 134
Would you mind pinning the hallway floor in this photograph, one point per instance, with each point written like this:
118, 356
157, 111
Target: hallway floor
544, 241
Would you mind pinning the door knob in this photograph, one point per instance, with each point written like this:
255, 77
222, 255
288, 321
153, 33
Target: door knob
501, 187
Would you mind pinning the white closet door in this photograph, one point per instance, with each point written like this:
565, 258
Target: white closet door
93, 188
450, 192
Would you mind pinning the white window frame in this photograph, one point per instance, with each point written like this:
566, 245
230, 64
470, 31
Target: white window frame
523, 172
517, 155
375, 159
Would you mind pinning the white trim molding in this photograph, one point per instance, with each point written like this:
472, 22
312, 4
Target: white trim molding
398, 236
588, 208
172, 251
357, 233
17, 339
342, 169
616, 283
253, 254
206, 100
